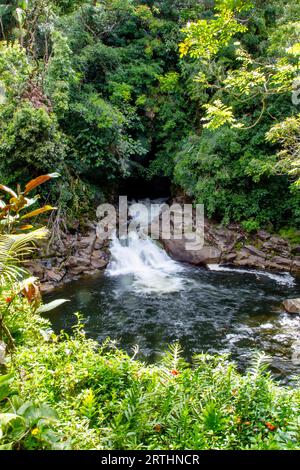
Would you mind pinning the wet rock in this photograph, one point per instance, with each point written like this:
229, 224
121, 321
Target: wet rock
292, 305
295, 268
275, 266
99, 263
47, 287
77, 270
54, 275
281, 261
206, 255
251, 262
230, 257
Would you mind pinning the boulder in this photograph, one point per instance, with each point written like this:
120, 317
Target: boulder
295, 268
230, 257
99, 263
292, 305
255, 251
200, 257
54, 275
281, 261
75, 261
87, 242
75, 270
251, 262
263, 235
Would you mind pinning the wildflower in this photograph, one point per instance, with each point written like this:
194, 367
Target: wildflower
8, 300
35, 431
157, 428
270, 426
247, 423
174, 372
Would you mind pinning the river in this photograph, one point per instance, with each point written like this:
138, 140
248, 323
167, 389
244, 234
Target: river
145, 298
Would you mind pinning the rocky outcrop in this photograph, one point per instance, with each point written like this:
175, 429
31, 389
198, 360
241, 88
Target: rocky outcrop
292, 305
206, 255
74, 256
233, 246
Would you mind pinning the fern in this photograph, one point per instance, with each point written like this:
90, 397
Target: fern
13, 249
259, 364
172, 359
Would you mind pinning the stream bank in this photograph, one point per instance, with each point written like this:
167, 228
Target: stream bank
83, 254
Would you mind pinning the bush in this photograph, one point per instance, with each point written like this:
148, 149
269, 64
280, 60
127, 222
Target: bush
107, 400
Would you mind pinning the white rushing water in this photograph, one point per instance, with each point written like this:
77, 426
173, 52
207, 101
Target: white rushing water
140, 256
284, 279
152, 270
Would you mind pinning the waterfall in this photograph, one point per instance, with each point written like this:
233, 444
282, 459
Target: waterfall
140, 257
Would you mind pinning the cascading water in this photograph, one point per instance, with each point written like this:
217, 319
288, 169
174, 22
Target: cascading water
147, 299
140, 257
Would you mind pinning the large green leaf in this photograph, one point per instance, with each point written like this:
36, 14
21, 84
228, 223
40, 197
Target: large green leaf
51, 305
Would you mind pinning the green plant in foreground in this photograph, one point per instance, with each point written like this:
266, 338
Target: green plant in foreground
106, 399
24, 424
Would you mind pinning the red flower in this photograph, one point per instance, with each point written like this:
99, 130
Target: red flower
174, 372
8, 300
270, 426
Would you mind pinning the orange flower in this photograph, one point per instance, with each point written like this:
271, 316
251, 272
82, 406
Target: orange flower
8, 300
270, 426
247, 423
174, 372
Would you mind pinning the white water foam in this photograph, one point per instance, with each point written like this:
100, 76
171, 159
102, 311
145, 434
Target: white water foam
140, 256
285, 279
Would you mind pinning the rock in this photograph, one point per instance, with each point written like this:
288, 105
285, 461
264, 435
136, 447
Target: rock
275, 267
206, 255
295, 268
262, 235
251, 262
99, 263
230, 257
54, 275
282, 261
87, 242
254, 251
75, 261
292, 305
77, 270
47, 287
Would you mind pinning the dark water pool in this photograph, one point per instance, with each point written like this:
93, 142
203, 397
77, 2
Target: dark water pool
215, 312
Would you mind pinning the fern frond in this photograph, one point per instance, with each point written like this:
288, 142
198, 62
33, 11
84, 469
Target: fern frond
13, 249
172, 359
259, 363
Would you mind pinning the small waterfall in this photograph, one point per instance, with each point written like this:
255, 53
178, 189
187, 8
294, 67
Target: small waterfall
142, 258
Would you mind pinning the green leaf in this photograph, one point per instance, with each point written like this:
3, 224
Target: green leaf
6, 418
6, 446
51, 305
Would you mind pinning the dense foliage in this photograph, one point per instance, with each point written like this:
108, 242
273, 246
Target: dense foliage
200, 92
71, 392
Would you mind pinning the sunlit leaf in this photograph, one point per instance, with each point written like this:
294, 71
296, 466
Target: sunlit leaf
8, 190
51, 305
39, 180
36, 212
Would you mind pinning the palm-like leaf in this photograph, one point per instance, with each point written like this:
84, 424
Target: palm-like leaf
13, 249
